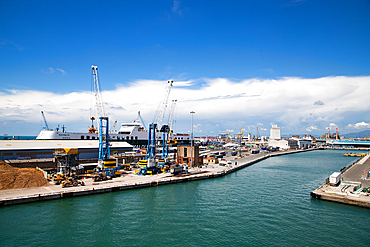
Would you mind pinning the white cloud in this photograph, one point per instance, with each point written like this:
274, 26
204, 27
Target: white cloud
218, 103
359, 126
63, 72
176, 7
51, 70
311, 128
4, 42
333, 125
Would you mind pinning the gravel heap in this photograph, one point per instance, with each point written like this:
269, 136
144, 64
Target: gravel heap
17, 178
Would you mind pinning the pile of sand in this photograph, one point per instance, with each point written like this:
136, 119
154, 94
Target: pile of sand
16, 178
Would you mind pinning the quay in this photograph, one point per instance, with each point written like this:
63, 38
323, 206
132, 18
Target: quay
131, 181
350, 189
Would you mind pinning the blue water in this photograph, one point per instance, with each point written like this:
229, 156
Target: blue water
18, 137
266, 204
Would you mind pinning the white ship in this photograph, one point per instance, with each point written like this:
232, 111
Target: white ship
132, 133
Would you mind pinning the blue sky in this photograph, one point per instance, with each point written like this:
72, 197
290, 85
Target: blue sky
215, 51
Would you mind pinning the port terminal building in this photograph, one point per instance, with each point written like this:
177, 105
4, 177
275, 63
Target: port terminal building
288, 143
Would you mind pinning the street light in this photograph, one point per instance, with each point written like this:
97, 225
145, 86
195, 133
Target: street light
192, 140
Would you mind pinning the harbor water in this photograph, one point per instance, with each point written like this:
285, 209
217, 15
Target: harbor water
266, 204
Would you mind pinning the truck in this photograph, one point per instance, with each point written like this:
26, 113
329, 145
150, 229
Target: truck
179, 169
334, 178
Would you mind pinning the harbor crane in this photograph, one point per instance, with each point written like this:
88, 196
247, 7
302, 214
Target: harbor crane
239, 136
149, 165
104, 162
46, 123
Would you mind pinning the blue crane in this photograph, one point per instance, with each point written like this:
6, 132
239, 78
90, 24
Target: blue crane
149, 165
106, 164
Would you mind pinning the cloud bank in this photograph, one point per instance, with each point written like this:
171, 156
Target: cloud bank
297, 105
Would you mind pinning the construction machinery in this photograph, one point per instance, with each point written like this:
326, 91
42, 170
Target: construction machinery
101, 177
67, 160
72, 182
59, 178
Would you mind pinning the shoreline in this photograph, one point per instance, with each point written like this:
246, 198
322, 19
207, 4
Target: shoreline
129, 182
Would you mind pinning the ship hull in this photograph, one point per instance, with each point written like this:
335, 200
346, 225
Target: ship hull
137, 139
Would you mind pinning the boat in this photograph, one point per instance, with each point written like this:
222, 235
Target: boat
133, 133
355, 154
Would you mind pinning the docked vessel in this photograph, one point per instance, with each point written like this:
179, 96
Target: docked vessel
133, 133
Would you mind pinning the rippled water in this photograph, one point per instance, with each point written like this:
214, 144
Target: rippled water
266, 204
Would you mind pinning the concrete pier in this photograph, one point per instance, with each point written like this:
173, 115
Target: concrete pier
130, 181
349, 191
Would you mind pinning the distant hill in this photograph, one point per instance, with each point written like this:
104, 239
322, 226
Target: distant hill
358, 134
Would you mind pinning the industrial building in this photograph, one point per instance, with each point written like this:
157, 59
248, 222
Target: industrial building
185, 156
276, 141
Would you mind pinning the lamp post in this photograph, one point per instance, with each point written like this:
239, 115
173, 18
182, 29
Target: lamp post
192, 140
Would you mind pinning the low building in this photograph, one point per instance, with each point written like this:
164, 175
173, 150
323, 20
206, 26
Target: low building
210, 160
284, 144
302, 143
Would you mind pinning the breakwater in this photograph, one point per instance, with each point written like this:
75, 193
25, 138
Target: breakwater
350, 189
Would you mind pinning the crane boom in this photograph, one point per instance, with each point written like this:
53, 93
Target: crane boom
46, 123
113, 127
163, 105
98, 99
141, 120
